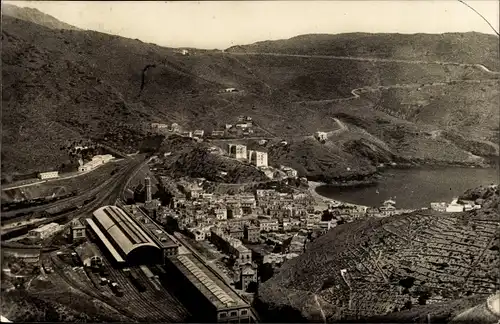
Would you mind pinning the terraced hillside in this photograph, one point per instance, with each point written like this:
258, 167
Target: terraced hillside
61, 86
381, 266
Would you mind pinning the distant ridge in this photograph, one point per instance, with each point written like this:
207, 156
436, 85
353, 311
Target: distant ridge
35, 16
470, 47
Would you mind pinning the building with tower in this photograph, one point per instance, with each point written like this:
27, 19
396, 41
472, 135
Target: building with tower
147, 183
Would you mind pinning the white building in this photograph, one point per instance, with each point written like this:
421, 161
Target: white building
44, 231
291, 173
175, 128
48, 175
217, 133
230, 90
257, 158
454, 207
187, 134
268, 225
220, 213
237, 151
97, 160
321, 136
199, 133
438, 206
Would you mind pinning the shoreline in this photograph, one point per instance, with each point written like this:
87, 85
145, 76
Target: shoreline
321, 201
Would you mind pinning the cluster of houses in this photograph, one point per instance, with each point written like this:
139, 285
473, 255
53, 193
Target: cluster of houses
96, 161
456, 206
243, 127
388, 208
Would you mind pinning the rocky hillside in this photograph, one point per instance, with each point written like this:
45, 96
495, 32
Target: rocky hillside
61, 86
35, 16
385, 266
188, 158
469, 47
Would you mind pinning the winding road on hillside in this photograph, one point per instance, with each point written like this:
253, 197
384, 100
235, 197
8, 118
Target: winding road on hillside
355, 92
371, 59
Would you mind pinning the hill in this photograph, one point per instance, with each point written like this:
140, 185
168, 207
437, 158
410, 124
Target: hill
63, 86
390, 265
35, 16
469, 47
188, 158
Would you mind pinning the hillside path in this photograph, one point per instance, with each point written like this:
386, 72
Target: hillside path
371, 59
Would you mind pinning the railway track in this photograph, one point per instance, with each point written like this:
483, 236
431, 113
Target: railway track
59, 269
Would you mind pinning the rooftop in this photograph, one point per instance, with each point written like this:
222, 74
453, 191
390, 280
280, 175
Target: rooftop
122, 229
164, 240
216, 291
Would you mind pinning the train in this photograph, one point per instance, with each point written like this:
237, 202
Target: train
134, 279
35, 202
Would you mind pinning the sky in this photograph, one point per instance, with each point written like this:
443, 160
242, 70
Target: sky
221, 24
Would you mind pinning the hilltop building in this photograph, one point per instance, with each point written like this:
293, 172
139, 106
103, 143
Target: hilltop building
237, 151
97, 160
199, 133
48, 175
321, 136
257, 158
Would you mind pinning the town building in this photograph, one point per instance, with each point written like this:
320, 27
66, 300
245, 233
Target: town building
158, 126
237, 151
289, 172
96, 161
454, 207
44, 231
236, 232
187, 134
268, 225
196, 233
234, 212
199, 133
77, 230
229, 245
230, 90
48, 175
257, 158
251, 233
175, 128
438, 206
244, 274
216, 133
220, 213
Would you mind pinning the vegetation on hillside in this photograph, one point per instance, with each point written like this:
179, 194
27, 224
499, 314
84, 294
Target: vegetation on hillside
61, 86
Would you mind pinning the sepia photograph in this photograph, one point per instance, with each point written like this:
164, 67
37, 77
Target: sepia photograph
250, 161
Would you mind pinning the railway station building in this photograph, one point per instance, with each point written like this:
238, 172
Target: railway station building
122, 238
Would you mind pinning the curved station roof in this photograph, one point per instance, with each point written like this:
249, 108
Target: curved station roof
119, 232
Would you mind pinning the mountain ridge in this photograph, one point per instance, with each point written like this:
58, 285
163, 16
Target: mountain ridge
35, 16
61, 86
